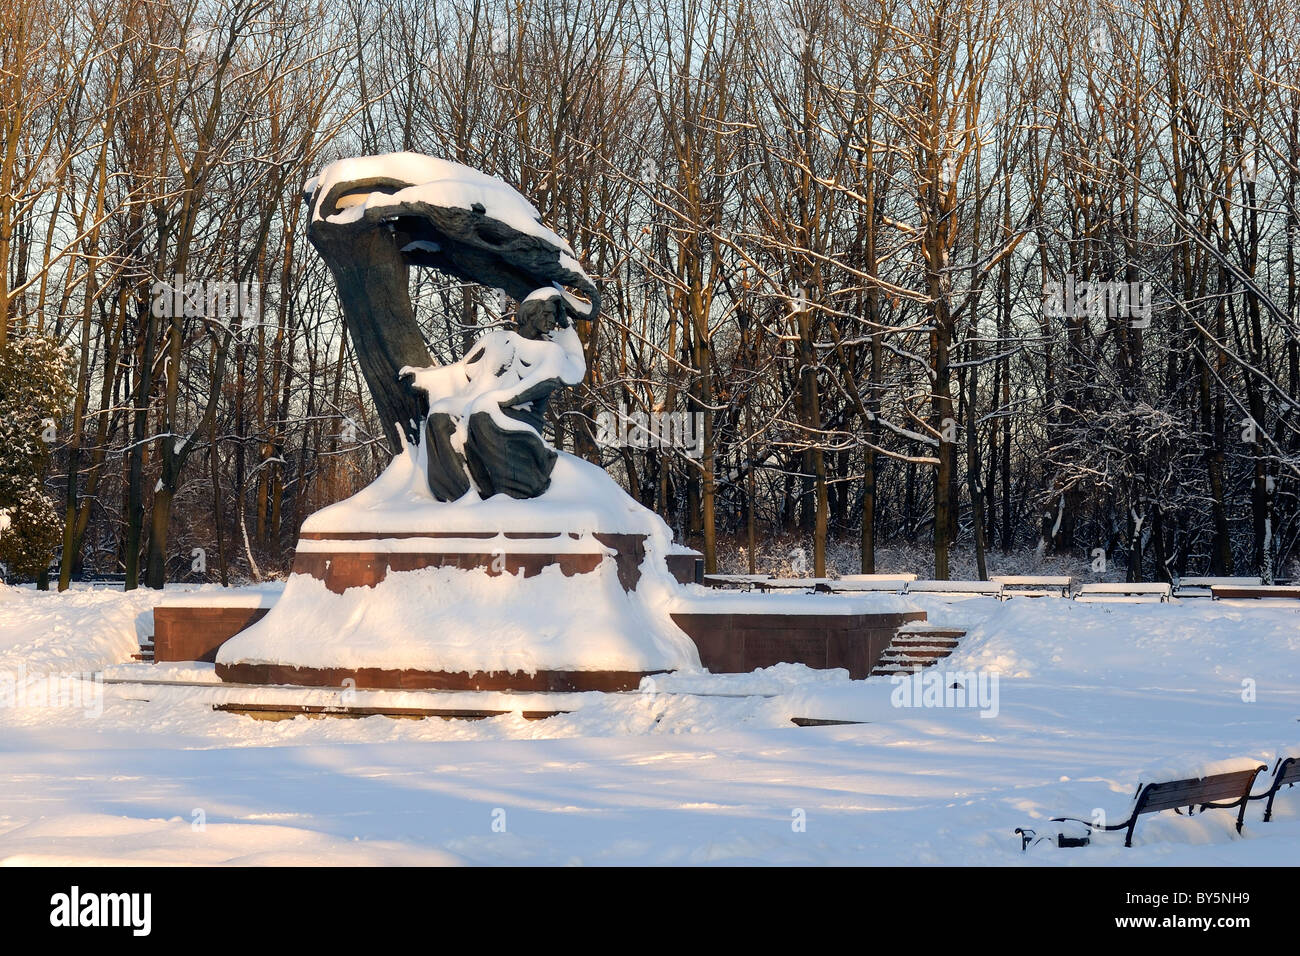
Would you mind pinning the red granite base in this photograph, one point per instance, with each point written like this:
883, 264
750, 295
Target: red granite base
373, 678
354, 565
737, 643
188, 633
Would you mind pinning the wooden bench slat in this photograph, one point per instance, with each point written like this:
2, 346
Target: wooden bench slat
1206, 582
1034, 580
880, 576
1182, 793
791, 583
1291, 772
1221, 592
978, 588
1119, 587
884, 585
735, 580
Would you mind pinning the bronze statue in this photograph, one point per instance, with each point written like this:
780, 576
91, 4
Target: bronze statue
372, 218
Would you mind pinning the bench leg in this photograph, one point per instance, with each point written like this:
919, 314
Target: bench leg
1241, 814
1268, 807
1128, 837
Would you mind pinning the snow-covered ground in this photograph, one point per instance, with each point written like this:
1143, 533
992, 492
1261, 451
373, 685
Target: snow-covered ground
696, 769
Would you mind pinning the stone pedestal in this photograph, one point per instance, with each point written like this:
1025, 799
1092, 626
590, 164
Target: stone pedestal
562, 584
392, 589
573, 591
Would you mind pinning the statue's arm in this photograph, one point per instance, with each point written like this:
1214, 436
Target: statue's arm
442, 382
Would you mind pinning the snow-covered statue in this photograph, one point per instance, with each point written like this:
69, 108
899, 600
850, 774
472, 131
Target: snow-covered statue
374, 217
486, 411
519, 567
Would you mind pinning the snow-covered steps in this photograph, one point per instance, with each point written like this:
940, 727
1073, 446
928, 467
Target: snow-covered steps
917, 653
915, 646
145, 654
919, 632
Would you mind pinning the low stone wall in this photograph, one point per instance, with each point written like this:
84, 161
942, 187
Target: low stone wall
373, 678
732, 642
687, 566
190, 633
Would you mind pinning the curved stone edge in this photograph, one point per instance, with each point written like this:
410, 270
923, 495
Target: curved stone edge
374, 678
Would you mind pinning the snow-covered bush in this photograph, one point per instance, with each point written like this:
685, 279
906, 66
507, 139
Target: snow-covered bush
35, 387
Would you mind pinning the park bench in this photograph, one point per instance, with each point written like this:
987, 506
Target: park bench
1124, 593
956, 590
1213, 791
98, 580
1033, 585
744, 582
792, 584
881, 576
874, 585
1285, 773
1196, 587
1221, 592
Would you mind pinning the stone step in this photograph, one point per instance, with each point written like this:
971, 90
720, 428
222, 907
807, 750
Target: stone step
931, 630
929, 640
909, 657
889, 670
916, 650
915, 653
917, 646
909, 663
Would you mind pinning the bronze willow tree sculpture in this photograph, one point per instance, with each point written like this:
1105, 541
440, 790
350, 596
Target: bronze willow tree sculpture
481, 418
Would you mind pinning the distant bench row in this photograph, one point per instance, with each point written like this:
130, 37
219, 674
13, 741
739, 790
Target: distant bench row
1008, 586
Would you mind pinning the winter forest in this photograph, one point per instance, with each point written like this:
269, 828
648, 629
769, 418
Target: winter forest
978, 278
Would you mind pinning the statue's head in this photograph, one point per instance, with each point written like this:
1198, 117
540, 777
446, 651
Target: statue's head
541, 313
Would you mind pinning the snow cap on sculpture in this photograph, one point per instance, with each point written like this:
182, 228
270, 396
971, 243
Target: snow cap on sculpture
481, 218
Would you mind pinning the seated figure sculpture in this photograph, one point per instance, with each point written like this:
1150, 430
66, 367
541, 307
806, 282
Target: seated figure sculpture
372, 219
484, 428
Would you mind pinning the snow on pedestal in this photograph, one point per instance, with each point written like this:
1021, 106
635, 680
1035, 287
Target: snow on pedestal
582, 498
478, 620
